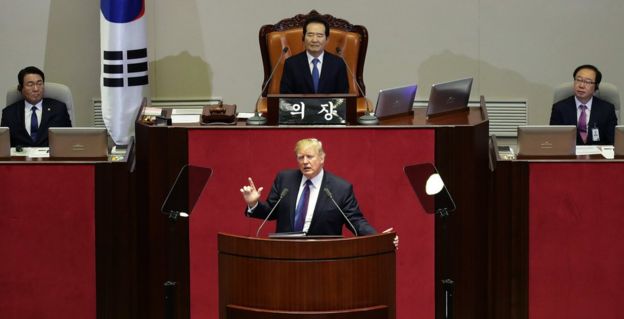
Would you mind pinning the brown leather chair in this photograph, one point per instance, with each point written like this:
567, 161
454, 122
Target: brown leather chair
351, 39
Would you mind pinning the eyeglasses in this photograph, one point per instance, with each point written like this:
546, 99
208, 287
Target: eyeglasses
584, 81
33, 84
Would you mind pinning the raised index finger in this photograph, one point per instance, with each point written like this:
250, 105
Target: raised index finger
251, 183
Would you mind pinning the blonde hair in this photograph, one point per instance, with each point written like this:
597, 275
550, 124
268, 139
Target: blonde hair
309, 142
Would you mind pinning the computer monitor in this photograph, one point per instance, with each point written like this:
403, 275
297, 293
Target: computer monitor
5, 142
546, 140
449, 97
396, 101
86, 142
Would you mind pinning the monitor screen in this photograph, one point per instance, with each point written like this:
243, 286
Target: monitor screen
85, 142
545, 140
397, 101
186, 189
449, 97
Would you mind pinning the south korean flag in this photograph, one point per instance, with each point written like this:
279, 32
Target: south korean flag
124, 77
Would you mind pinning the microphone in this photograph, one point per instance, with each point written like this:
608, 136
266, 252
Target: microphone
329, 194
257, 119
368, 118
284, 192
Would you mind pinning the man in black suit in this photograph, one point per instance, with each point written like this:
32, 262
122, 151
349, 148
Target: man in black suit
30, 118
595, 118
313, 213
314, 70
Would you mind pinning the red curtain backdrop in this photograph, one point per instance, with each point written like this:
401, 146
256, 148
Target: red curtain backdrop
576, 247
371, 159
47, 241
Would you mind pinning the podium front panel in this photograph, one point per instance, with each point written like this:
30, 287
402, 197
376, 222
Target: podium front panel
313, 276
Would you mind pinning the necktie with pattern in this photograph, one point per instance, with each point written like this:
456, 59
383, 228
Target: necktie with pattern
582, 123
302, 207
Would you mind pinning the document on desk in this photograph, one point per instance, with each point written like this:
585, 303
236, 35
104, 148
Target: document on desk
184, 118
588, 150
605, 150
245, 115
152, 111
32, 152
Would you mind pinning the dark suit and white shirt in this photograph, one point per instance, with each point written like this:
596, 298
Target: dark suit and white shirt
297, 74
18, 117
322, 218
600, 119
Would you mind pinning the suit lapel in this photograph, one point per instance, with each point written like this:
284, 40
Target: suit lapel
293, 186
306, 67
321, 203
46, 112
327, 66
21, 117
573, 112
594, 115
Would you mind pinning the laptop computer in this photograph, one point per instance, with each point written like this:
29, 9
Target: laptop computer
546, 140
449, 97
396, 101
5, 142
78, 142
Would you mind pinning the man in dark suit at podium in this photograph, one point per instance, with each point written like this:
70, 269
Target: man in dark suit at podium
314, 70
30, 118
307, 207
595, 118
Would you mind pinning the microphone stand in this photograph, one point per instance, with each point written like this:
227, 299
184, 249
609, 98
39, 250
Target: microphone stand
171, 286
448, 285
258, 119
331, 196
282, 195
368, 118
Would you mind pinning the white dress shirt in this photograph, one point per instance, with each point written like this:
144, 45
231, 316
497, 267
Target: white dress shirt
319, 65
314, 194
28, 114
578, 109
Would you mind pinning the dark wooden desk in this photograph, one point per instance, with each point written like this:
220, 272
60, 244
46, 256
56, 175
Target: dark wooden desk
62, 221
556, 246
372, 158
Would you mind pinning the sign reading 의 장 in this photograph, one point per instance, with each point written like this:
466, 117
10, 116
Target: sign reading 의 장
312, 111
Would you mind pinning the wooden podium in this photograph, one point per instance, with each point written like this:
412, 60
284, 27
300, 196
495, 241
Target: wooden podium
307, 278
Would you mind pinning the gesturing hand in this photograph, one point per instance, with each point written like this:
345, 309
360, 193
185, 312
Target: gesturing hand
250, 193
396, 237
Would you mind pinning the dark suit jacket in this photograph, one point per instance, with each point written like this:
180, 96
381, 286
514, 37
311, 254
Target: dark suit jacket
53, 114
602, 116
327, 219
297, 78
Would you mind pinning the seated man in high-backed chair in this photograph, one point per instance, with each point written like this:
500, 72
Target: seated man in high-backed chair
314, 70
594, 118
30, 118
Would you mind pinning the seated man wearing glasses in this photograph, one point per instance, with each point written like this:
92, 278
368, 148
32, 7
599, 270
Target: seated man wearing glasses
30, 118
595, 118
